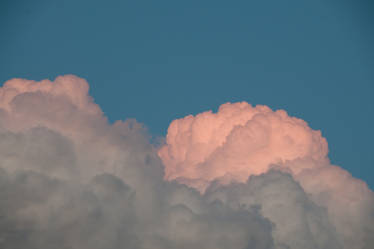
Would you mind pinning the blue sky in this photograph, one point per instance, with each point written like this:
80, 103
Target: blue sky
160, 60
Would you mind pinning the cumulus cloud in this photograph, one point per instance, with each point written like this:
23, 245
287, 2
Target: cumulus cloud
239, 147
246, 177
238, 141
69, 179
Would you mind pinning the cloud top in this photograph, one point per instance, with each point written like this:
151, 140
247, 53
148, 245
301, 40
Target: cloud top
70, 86
238, 141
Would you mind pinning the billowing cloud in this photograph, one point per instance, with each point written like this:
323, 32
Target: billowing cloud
69, 179
329, 208
238, 141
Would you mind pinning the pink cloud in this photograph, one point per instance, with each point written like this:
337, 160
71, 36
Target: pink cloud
240, 144
70, 86
238, 141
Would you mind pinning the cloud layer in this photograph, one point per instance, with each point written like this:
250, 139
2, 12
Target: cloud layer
69, 179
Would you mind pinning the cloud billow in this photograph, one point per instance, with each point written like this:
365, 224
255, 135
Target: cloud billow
246, 177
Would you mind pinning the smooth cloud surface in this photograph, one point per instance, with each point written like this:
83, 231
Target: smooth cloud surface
69, 179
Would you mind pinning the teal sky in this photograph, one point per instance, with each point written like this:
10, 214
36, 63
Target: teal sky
160, 60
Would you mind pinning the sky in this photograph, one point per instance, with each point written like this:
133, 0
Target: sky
156, 61
99, 150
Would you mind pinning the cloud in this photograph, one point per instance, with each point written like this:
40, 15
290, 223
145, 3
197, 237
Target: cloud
329, 208
238, 141
299, 222
69, 179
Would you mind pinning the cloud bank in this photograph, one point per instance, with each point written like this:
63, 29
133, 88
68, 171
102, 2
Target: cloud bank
244, 177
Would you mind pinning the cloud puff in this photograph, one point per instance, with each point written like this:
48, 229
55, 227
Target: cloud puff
299, 222
236, 142
69, 179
